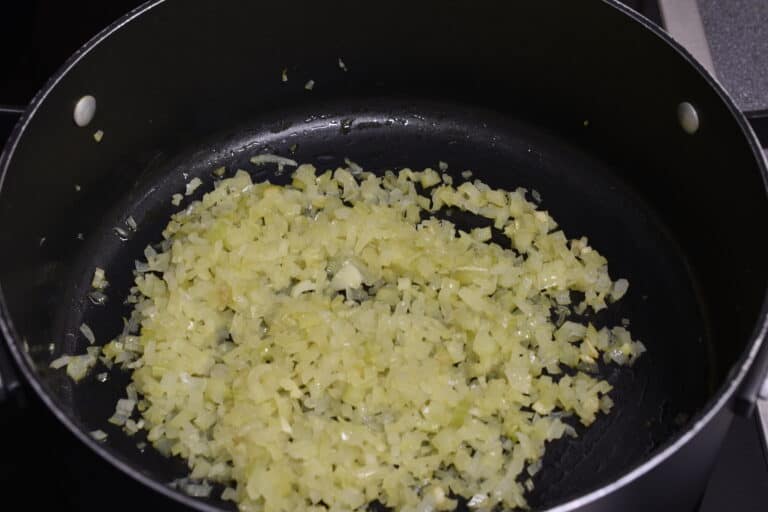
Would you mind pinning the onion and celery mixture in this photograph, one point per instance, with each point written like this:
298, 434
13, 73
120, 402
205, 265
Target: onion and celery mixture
329, 343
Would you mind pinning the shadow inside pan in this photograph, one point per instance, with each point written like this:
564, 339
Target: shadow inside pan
653, 399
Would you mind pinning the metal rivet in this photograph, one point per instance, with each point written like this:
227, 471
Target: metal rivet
688, 118
85, 109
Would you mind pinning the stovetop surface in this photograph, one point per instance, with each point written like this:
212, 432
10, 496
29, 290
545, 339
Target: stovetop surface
44, 465
737, 33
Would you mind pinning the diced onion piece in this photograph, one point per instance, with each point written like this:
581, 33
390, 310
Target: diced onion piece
429, 178
477, 500
193, 488
353, 167
78, 366
301, 287
99, 280
535, 467
348, 277
619, 289
198, 490
273, 159
88, 333
193, 185
99, 435
123, 411
229, 494
60, 362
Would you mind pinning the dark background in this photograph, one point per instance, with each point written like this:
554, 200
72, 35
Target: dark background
41, 464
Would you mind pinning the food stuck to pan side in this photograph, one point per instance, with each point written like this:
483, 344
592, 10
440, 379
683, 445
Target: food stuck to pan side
331, 343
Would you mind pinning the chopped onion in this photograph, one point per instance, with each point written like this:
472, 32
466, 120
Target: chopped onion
78, 366
99, 435
60, 362
88, 333
354, 168
131, 392
123, 411
193, 185
534, 467
477, 500
192, 488
141, 266
198, 490
348, 276
99, 280
334, 336
131, 427
229, 494
619, 289
267, 158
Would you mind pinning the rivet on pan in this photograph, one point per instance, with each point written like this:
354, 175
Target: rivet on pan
85, 109
688, 118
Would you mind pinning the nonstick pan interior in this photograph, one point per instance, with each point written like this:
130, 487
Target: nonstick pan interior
654, 398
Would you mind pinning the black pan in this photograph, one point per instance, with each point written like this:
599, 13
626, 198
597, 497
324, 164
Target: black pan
579, 103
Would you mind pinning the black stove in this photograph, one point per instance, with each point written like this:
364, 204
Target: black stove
45, 466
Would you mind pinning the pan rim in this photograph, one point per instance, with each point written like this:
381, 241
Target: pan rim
714, 404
